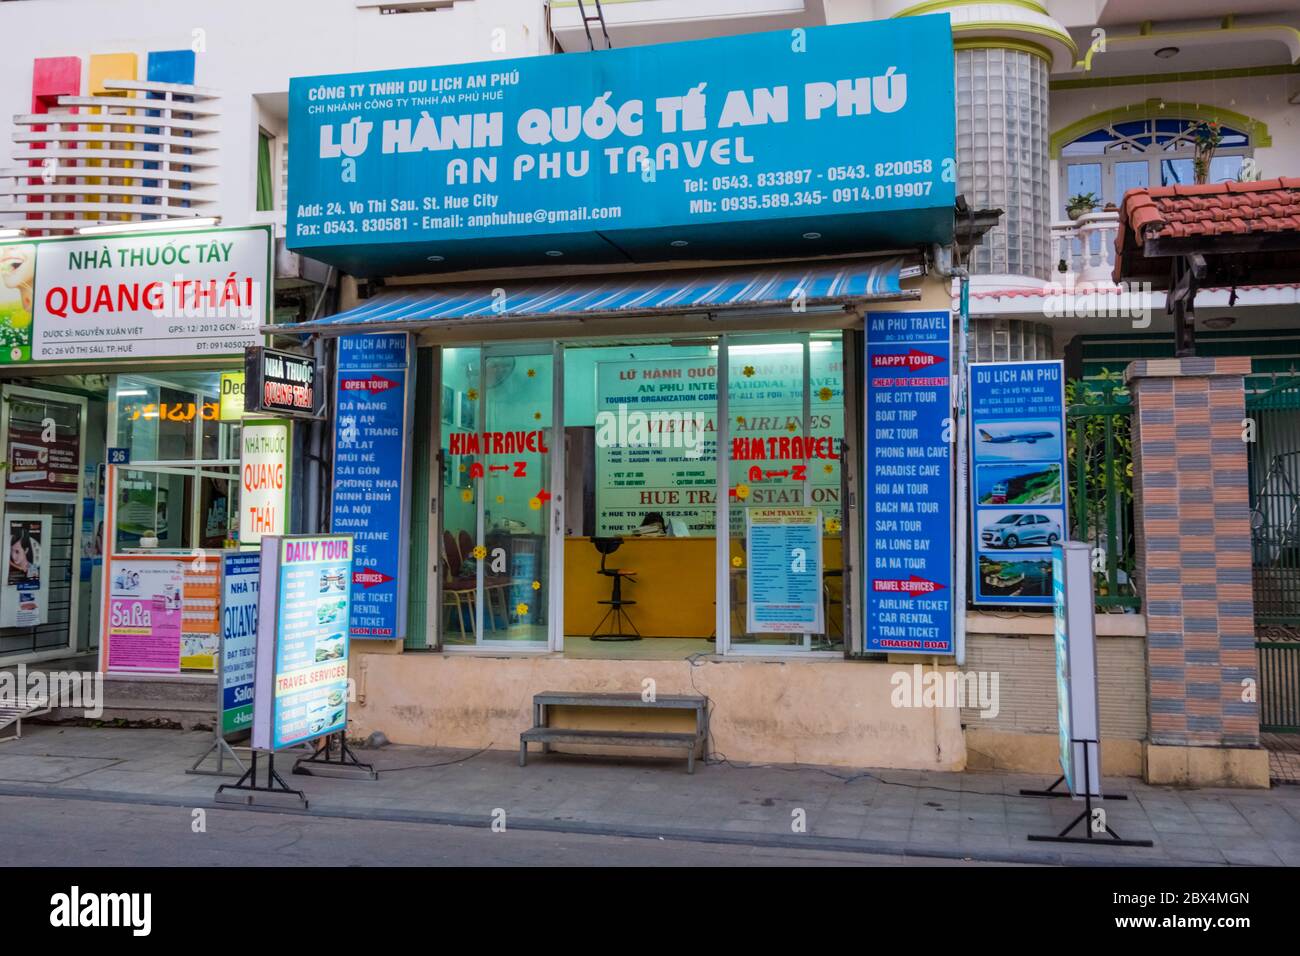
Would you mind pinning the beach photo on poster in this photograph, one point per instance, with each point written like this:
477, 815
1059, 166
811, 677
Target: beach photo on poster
1029, 483
1014, 578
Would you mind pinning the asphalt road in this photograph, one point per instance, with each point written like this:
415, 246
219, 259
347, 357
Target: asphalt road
45, 831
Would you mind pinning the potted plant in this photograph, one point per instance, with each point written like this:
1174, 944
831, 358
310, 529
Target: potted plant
1206, 136
1081, 203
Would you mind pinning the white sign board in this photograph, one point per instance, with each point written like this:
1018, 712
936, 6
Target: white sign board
264, 447
177, 294
1076, 668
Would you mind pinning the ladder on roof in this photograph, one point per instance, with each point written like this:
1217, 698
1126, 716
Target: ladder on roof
588, 21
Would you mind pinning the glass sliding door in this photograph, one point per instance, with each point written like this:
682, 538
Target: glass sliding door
784, 437
498, 449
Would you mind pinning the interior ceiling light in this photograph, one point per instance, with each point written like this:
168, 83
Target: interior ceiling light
554, 252
812, 235
1166, 52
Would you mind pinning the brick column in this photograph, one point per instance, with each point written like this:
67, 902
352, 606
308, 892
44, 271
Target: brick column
1192, 516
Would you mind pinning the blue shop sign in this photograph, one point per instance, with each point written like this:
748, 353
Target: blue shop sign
908, 483
808, 141
370, 493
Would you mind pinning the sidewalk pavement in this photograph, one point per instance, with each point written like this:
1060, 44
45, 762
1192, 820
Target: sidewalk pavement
912, 813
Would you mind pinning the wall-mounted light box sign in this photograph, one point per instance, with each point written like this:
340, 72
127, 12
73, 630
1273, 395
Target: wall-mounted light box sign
170, 294
281, 383
802, 141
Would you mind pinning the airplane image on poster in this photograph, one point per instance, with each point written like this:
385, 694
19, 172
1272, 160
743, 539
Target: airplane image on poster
1029, 437
1017, 441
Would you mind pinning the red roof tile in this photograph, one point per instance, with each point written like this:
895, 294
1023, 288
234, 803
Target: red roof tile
1271, 205
1213, 209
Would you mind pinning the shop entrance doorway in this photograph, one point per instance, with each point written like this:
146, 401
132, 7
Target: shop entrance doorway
41, 512
499, 516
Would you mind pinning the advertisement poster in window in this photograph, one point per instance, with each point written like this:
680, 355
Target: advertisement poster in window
44, 461
1018, 512
656, 436
25, 601
304, 603
200, 614
784, 577
144, 615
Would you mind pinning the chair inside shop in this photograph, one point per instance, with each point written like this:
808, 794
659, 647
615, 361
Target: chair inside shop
621, 627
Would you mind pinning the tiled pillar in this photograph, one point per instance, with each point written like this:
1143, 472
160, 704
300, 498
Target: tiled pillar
1192, 515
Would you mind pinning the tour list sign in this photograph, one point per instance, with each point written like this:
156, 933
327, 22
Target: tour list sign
908, 483
371, 496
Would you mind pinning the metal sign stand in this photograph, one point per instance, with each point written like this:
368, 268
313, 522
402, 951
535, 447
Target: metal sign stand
223, 750
320, 764
1086, 816
248, 788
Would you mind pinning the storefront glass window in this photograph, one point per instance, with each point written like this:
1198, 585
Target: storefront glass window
640, 497
497, 442
786, 418
180, 491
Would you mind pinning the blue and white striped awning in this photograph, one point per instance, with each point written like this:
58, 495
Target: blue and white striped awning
703, 290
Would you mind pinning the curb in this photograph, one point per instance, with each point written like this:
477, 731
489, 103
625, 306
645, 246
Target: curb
734, 838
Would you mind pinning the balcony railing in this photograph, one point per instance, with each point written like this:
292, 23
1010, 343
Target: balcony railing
138, 151
1085, 249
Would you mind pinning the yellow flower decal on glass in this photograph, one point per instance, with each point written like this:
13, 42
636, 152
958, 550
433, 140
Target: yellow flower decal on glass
832, 525
466, 495
532, 373
521, 608
479, 552
792, 427
740, 419
535, 503
537, 416
825, 394
501, 499
472, 394
737, 562
828, 468
742, 491
537, 585
463, 466
747, 371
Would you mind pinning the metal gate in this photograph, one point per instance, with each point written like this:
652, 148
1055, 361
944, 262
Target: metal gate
1272, 434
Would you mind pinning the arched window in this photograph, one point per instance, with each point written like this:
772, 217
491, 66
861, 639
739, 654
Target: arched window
1148, 152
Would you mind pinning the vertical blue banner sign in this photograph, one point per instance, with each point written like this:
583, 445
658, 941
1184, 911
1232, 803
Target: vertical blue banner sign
370, 493
1017, 479
239, 588
908, 482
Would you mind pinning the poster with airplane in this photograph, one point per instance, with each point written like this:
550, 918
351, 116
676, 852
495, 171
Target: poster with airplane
1018, 474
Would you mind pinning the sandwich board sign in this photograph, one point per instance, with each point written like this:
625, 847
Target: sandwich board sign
304, 604
1076, 669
